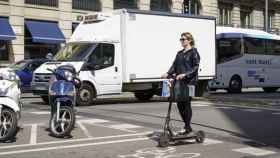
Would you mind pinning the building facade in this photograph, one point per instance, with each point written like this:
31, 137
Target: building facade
33, 28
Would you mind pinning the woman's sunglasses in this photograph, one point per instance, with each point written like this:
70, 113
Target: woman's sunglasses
183, 39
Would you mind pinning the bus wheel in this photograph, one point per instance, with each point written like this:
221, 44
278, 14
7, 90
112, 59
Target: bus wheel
270, 89
235, 85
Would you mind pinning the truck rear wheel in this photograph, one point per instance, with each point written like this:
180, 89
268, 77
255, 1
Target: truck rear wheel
143, 96
86, 95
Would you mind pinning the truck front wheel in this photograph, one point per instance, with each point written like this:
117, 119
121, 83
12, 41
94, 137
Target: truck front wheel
143, 96
86, 95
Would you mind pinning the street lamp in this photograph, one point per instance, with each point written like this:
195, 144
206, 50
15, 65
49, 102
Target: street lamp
266, 15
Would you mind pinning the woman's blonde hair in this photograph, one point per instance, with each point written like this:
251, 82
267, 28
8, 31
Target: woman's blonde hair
189, 37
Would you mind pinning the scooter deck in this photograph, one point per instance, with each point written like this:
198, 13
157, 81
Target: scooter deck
182, 137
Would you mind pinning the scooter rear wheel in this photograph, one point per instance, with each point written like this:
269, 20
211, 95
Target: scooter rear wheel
200, 137
62, 128
8, 124
164, 140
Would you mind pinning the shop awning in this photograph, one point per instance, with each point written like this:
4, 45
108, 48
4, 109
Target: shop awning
6, 31
45, 32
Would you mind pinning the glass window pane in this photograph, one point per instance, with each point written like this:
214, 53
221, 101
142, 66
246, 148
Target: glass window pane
4, 51
254, 45
228, 48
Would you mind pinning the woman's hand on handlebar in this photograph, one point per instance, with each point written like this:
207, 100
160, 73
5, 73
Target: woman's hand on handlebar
180, 76
164, 75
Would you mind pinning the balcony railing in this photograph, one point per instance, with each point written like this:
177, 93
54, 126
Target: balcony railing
92, 5
129, 4
48, 3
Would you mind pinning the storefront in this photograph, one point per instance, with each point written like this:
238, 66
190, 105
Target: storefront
6, 35
41, 38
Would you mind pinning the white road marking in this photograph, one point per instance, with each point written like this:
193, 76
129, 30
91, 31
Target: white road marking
195, 104
208, 141
251, 110
84, 129
73, 146
254, 151
93, 121
77, 140
121, 129
33, 135
125, 126
40, 112
224, 107
78, 116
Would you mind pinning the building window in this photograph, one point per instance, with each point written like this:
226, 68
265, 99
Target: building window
246, 18
191, 6
49, 3
225, 14
271, 15
161, 5
129, 4
92, 5
4, 50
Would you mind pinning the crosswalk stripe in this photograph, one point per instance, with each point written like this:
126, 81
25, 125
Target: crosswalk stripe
254, 151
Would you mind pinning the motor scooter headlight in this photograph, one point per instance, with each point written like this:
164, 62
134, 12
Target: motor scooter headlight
69, 76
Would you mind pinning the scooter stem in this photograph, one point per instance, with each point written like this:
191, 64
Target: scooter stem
0, 113
57, 110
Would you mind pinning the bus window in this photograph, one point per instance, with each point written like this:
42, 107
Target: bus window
228, 49
254, 45
273, 47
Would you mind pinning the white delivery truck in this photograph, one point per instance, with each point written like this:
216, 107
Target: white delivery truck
128, 51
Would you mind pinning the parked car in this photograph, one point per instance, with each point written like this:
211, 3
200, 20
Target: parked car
24, 69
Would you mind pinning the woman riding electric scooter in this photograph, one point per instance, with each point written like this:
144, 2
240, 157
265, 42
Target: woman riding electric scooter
185, 71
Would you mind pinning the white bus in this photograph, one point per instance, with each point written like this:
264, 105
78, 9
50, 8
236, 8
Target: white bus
246, 58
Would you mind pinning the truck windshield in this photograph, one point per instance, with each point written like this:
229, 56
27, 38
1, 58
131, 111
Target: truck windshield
74, 52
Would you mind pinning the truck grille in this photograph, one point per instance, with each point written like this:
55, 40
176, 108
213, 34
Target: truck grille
42, 77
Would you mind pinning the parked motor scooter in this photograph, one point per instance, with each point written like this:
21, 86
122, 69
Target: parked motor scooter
62, 98
10, 105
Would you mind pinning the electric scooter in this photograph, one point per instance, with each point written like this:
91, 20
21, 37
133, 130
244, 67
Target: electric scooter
168, 134
10, 105
62, 98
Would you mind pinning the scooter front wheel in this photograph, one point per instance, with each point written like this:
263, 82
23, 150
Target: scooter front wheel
8, 124
164, 140
64, 125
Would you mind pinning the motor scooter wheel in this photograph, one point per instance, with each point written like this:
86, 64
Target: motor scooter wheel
164, 140
8, 124
62, 128
200, 137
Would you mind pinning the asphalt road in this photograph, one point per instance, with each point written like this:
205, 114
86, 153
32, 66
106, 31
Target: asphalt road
125, 128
